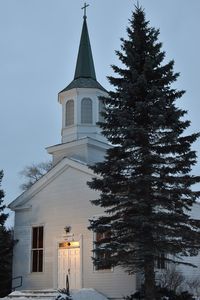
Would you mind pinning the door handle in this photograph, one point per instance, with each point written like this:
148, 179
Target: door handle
69, 271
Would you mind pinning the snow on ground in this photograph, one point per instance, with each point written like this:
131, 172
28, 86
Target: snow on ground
88, 294
83, 294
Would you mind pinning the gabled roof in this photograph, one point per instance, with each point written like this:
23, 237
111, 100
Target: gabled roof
85, 76
65, 163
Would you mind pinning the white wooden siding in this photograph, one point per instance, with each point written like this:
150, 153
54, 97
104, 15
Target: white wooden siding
65, 201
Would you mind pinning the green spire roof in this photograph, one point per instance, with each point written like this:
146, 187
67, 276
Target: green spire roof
85, 64
84, 76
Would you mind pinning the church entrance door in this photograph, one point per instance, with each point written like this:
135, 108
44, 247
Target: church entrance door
69, 265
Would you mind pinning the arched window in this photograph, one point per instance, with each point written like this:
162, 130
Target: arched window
69, 113
101, 109
86, 111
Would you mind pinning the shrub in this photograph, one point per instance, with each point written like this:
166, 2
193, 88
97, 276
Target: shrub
162, 294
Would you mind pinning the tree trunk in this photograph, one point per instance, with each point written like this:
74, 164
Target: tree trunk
149, 279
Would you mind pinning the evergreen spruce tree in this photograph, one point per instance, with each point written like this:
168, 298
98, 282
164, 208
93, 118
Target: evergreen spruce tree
6, 246
145, 181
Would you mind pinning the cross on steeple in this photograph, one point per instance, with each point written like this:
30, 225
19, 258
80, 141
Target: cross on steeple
84, 7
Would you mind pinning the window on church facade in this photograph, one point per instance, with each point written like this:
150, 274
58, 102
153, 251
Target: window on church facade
37, 249
102, 256
86, 111
101, 109
69, 113
161, 262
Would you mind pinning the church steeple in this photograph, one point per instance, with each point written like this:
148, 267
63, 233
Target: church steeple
85, 64
81, 109
85, 76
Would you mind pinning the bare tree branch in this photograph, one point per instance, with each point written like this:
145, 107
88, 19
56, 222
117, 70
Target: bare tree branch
33, 173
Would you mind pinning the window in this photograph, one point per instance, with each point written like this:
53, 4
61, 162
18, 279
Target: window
160, 261
37, 249
102, 256
86, 111
69, 113
101, 109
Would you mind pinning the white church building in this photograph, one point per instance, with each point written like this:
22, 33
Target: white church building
52, 216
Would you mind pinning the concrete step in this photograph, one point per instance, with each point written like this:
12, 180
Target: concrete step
82, 294
42, 294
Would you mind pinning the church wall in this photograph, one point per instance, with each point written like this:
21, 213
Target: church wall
94, 153
83, 152
114, 282
78, 152
64, 201
191, 273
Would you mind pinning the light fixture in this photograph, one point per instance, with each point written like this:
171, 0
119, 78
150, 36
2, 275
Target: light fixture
67, 229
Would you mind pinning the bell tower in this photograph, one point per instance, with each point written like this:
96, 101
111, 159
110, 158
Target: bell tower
81, 137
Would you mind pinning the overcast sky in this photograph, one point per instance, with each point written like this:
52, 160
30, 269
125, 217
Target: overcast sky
39, 42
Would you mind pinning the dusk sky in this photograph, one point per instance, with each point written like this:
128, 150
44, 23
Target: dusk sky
39, 42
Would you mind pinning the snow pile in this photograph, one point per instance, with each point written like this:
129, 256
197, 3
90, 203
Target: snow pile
83, 294
88, 294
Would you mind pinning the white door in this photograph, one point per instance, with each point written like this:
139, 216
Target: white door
69, 264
